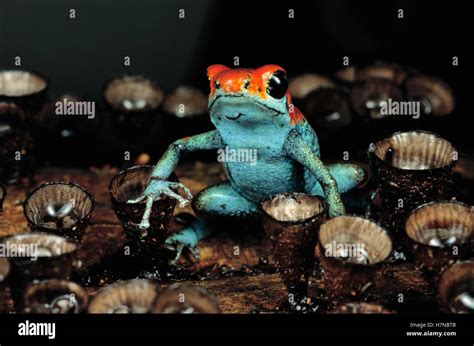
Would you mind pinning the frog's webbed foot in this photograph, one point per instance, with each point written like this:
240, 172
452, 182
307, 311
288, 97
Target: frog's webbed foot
155, 190
347, 176
187, 239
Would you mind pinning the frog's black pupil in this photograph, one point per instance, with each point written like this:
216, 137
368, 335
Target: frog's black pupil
216, 83
277, 85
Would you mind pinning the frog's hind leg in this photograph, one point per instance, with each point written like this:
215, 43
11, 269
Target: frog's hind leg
220, 200
347, 177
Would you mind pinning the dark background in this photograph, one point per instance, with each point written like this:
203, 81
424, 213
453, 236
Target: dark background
80, 55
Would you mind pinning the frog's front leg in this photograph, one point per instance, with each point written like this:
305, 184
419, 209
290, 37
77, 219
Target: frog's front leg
298, 150
220, 200
159, 186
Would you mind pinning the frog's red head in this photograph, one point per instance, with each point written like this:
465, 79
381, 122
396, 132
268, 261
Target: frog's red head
267, 85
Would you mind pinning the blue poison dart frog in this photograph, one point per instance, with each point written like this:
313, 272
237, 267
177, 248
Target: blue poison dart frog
251, 109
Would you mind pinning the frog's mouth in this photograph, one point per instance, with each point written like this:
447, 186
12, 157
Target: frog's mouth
238, 115
235, 117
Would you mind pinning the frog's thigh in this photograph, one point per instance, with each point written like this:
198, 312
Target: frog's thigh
347, 176
222, 200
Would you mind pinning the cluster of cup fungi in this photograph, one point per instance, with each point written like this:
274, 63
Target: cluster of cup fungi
58, 213
411, 215
430, 228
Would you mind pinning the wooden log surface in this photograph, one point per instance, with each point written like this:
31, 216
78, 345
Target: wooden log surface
243, 293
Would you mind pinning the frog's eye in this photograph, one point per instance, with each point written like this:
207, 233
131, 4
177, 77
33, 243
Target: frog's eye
277, 84
217, 85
